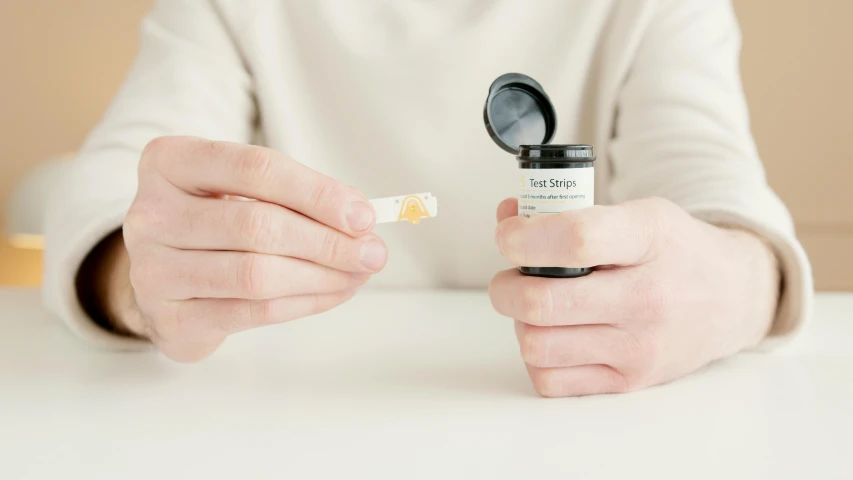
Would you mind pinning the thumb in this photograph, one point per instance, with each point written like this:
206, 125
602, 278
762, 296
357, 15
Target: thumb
507, 208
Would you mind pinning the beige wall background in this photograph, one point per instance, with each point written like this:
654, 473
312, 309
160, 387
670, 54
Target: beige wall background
63, 61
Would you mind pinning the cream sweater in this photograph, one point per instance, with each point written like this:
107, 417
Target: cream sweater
387, 95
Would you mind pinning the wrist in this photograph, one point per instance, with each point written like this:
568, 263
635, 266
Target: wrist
104, 289
761, 282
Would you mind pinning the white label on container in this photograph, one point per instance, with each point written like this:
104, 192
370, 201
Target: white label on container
555, 190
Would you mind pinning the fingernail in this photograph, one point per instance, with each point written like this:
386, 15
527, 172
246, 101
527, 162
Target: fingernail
373, 255
498, 240
360, 216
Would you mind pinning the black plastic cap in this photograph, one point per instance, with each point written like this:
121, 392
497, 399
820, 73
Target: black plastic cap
518, 112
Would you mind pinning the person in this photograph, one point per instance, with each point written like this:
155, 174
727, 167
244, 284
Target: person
225, 188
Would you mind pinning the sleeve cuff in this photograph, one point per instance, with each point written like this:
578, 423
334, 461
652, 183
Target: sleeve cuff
79, 217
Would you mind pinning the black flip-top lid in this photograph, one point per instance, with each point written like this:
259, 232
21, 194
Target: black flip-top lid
518, 112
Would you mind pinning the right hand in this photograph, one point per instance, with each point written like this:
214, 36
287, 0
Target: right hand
206, 263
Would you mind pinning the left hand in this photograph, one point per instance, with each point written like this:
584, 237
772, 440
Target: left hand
671, 294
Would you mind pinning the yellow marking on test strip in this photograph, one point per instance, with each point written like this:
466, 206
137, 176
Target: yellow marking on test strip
411, 208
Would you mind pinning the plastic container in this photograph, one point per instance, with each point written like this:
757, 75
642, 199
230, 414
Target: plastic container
521, 120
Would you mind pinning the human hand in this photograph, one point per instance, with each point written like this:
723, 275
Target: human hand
671, 294
205, 262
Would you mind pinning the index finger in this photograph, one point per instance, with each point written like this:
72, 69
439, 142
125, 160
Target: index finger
608, 296
624, 234
203, 167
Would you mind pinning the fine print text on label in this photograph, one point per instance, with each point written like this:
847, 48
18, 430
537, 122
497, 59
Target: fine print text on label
551, 191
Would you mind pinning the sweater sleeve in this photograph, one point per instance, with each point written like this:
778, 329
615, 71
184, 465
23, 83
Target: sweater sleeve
682, 133
188, 79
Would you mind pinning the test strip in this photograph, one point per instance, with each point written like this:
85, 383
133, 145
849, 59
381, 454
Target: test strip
405, 207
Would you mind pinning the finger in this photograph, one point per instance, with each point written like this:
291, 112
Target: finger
507, 208
603, 297
202, 167
577, 381
205, 320
260, 227
183, 274
624, 234
550, 347
188, 352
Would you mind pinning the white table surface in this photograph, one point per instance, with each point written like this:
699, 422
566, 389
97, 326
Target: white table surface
408, 386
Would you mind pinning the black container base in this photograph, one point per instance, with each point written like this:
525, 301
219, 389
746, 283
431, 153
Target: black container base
555, 272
